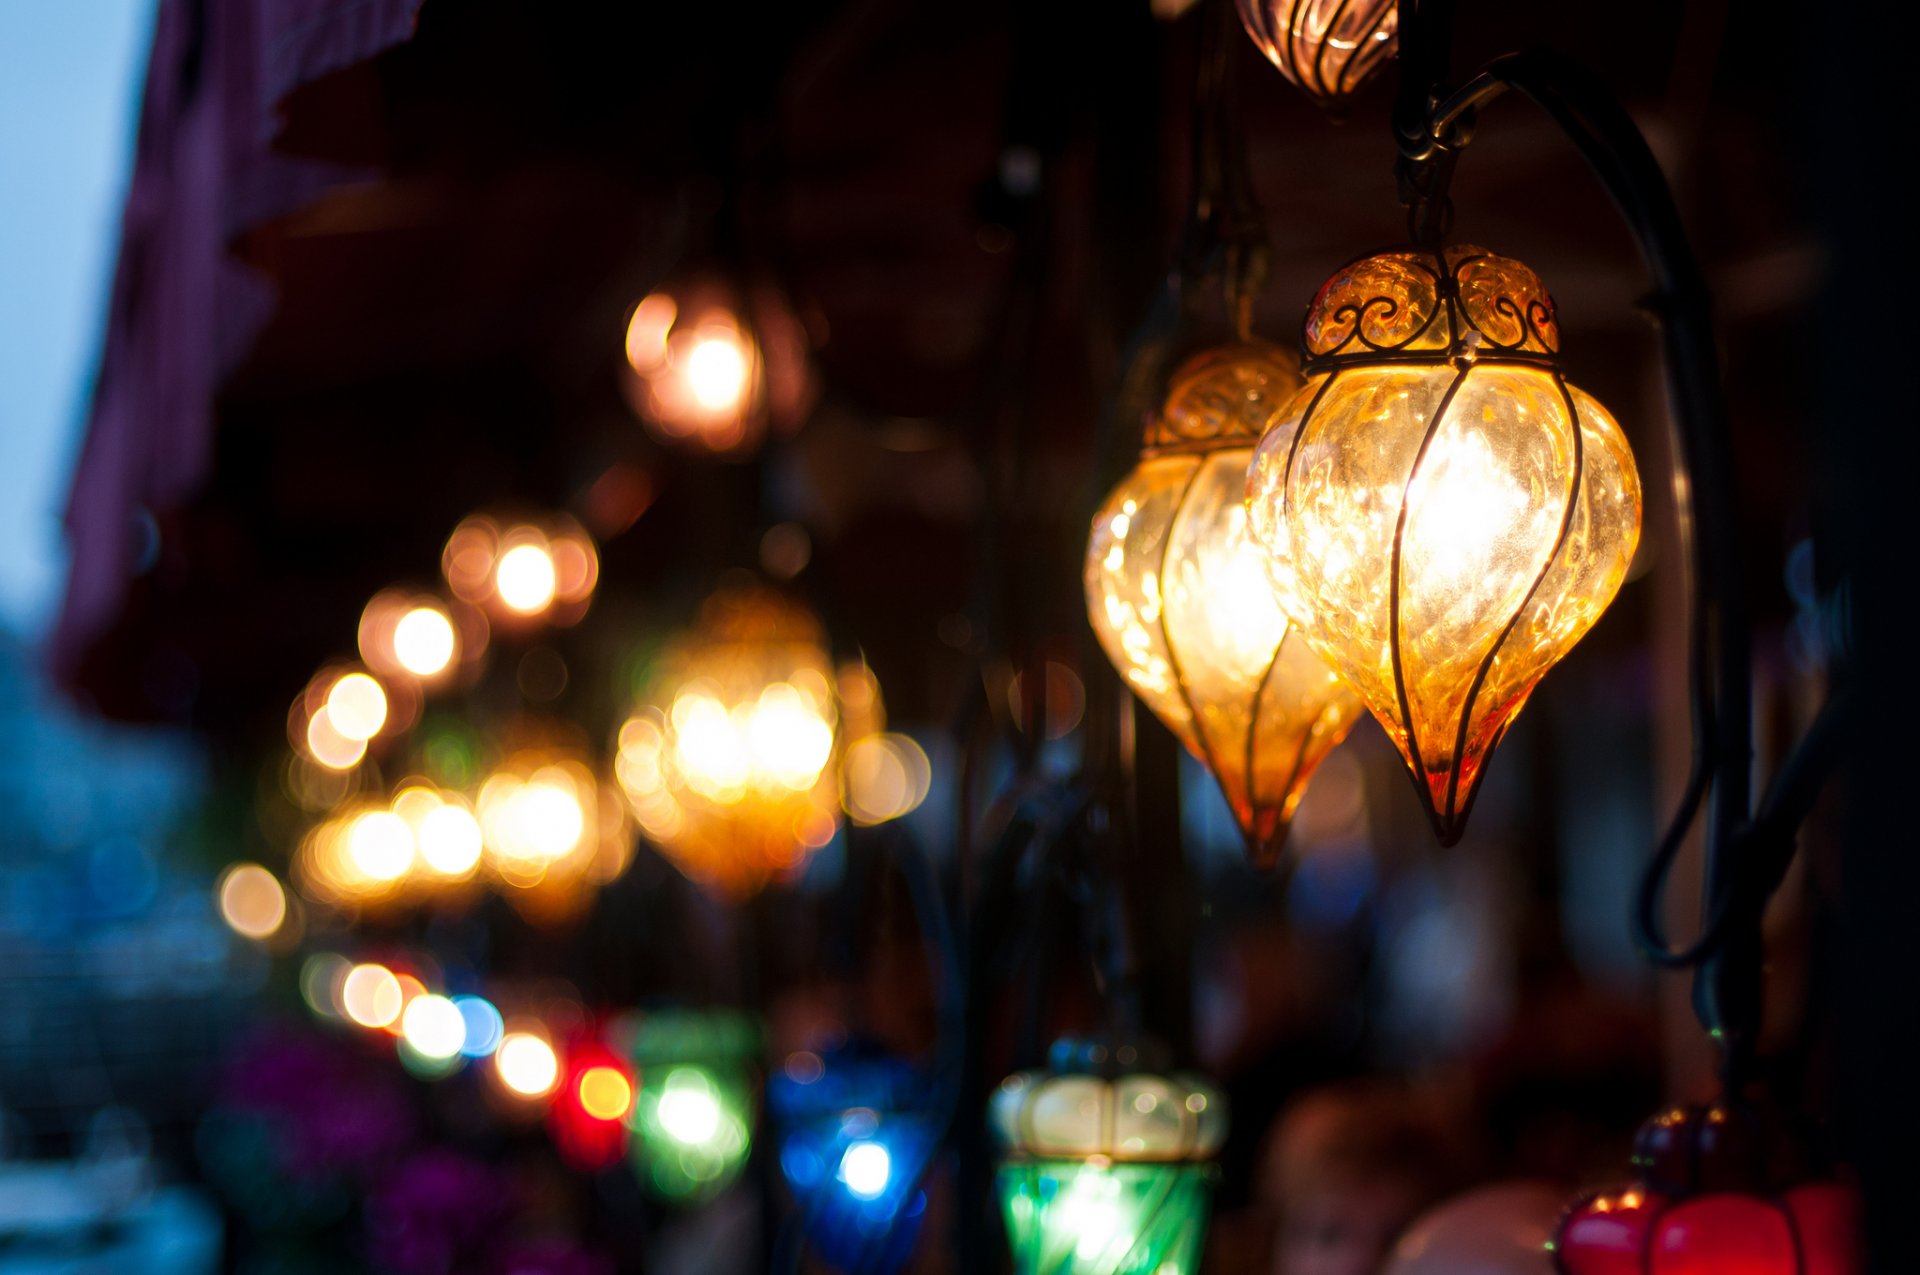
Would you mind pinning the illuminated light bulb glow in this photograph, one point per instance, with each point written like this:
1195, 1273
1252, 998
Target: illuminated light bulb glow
718, 368
730, 765
423, 641
328, 746
481, 1026
1177, 592
380, 845
371, 996
1444, 515
449, 840
1326, 47
525, 578
433, 1027
886, 776
252, 902
647, 332
527, 1065
605, 1094
866, 1168
357, 706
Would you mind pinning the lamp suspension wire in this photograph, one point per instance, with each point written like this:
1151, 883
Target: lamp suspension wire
1747, 853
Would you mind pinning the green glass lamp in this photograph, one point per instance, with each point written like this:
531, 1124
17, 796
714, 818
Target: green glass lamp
694, 1110
1107, 1165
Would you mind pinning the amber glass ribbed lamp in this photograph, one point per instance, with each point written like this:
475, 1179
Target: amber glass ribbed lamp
1445, 515
1177, 592
1326, 47
730, 764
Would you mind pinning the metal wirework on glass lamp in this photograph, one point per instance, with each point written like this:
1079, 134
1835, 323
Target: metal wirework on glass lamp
1175, 586
1178, 596
1107, 1166
1329, 48
1446, 516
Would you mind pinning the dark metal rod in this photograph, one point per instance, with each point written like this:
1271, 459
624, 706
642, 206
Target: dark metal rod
1726, 992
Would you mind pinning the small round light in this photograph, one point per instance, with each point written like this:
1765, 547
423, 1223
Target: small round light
605, 1094
357, 706
449, 838
482, 1026
717, 370
251, 901
328, 746
372, 996
380, 845
423, 641
527, 1065
525, 579
865, 1168
689, 1110
434, 1027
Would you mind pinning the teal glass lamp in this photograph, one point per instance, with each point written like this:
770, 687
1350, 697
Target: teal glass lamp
1106, 1165
695, 1106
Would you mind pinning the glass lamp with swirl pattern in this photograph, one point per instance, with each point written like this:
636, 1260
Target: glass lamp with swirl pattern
1444, 515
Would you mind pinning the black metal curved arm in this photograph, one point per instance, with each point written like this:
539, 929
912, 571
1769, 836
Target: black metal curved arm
1727, 950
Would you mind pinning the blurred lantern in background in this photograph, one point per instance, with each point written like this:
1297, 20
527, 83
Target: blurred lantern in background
1715, 1196
343, 709
1106, 1166
693, 1111
587, 1120
730, 764
522, 572
1445, 515
712, 367
526, 1063
1504, 1229
1327, 47
551, 832
1177, 593
251, 901
417, 636
856, 1139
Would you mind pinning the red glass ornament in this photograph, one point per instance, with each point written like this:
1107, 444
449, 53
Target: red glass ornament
585, 1121
1704, 1206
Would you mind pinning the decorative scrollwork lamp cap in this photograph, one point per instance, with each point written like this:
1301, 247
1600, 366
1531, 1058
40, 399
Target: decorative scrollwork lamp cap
1099, 1099
1222, 397
1444, 514
1462, 302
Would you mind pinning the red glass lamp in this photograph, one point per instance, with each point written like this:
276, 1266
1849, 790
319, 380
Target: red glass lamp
1706, 1203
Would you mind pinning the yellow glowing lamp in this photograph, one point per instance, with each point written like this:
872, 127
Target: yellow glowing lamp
711, 365
1445, 515
1326, 47
731, 763
1177, 592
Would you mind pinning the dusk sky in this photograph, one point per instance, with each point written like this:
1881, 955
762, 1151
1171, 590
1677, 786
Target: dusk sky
69, 83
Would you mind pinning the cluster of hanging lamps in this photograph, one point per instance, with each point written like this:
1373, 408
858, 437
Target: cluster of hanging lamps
857, 1135
1177, 593
1445, 515
1106, 1165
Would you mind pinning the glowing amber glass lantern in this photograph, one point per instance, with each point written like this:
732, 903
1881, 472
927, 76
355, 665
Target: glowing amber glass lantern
1177, 592
1326, 47
712, 367
731, 763
1445, 515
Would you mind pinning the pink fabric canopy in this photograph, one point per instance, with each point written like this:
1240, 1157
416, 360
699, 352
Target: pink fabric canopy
183, 312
